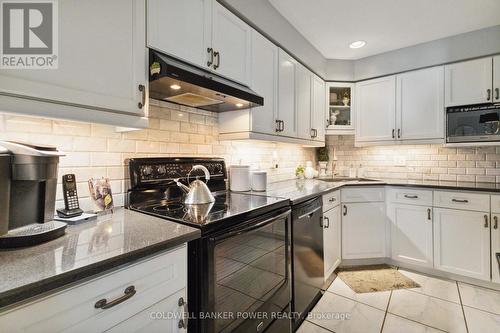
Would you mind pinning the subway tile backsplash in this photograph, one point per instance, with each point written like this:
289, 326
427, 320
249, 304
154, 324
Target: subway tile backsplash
96, 150
421, 162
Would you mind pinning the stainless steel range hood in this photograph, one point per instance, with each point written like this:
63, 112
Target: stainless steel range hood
174, 81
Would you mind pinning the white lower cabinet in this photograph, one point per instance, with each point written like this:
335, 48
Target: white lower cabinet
332, 240
411, 233
363, 230
159, 282
495, 237
462, 242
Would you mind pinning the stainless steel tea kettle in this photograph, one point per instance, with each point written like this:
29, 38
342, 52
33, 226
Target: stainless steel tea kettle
198, 192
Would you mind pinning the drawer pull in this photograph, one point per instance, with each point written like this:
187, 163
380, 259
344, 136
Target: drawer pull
411, 196
345, 210
460, 200
142, 103
429, 214
327, 224
332, 200
495, 224
103, 303
183, 322
486, 221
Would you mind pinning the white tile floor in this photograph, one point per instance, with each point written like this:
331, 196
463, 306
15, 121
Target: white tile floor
437, 306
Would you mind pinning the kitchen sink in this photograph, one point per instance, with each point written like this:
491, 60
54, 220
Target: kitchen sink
346, 179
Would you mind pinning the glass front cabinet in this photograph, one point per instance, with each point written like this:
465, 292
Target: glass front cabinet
340, 111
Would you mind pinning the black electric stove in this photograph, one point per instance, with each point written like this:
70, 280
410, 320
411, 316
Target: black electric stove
239, 270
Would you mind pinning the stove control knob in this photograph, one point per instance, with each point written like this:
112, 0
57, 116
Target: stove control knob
161, 170
147, 171
218, 168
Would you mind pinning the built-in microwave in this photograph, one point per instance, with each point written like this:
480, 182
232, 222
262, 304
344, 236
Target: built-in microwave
473, 123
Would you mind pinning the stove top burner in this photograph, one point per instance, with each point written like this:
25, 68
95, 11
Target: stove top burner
168, 207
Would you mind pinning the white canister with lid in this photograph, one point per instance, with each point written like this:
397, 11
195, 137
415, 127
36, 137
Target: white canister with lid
259, 180
239, 178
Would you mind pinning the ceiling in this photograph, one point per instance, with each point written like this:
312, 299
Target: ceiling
331, 25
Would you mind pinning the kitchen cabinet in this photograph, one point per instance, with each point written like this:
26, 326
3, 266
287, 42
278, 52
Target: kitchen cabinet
411, 234
363, 230
419, 104
157, 283
111, 48
303, 102
287, 111
332, 235
468, 82
171, 32
462, 242
376, 107
318, 109
495, 237
496, 78
340, 109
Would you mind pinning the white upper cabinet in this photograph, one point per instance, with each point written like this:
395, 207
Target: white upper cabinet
287, 116
264, 73
496, 79
102, 62
231, 42
170, 32
376, 104
318, 120
303, 102
468, 82
420, 108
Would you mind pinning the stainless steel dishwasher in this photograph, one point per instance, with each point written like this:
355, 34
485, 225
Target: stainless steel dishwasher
308, 260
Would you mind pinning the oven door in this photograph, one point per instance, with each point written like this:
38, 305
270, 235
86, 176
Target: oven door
473, 126
251, 274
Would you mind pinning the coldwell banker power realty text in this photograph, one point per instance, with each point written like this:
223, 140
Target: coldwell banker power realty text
29, 34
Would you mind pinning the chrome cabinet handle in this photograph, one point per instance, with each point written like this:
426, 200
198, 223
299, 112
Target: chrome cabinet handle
399, 133
345, 210
312, 132
327, 224
429, 214
488, 96
393, 133
485, 221
495, 222
211, 60
277, 125
217, 56
411, 196
183, 323
142, 89
460, 201
282, 125
497, 93
104, 304
332, 199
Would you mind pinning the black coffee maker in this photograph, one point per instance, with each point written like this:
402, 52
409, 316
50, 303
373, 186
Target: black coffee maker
28, 181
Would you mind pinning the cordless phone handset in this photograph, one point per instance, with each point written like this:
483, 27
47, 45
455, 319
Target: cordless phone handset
71, 205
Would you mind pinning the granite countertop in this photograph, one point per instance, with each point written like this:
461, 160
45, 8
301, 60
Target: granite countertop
300, 190
87, 249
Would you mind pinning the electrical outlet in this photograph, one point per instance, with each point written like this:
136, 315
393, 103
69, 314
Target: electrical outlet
399, 161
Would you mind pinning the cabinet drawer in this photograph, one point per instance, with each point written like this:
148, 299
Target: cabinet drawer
495, 204
331, 200
73, 309
462, 200
363, 194
409, 196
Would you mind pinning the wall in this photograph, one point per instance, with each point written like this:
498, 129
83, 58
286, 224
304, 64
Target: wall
423, 162
95, 150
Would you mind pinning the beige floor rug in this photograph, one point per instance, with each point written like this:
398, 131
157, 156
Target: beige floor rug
366, 279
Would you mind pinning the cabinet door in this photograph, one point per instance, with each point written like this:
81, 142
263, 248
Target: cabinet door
286, 94
110, 47
363, 230
231, 39
468, 82
303, 101
332, 240
411, 234
419, 107
165, 316
495, 247
462, 242
181, 28
318, 122
376, 104
264, 82
496, 79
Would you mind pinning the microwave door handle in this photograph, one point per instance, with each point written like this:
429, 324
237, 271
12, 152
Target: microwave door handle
252, 227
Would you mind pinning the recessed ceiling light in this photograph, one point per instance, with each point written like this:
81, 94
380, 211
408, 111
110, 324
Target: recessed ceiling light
357, 44
175, 87
239, 105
